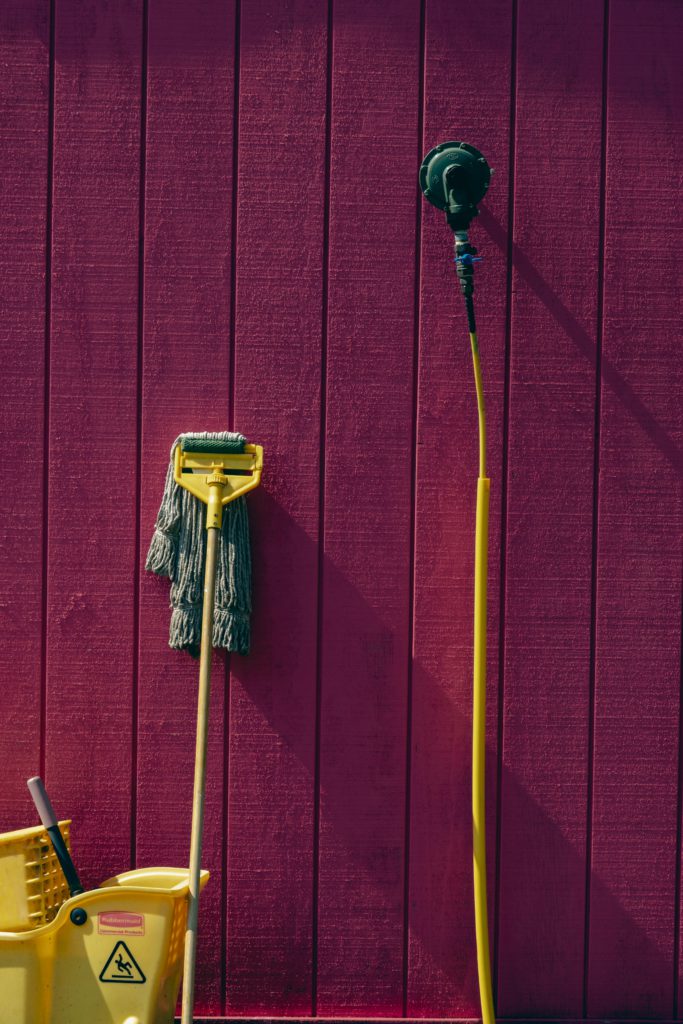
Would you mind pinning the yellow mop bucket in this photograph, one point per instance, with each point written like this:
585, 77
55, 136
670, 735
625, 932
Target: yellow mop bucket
110, 956
113, 955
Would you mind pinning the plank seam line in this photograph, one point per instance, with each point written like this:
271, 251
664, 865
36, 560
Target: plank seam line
413, 508
321, 511
679, 830
42, 750
504, 491
595, 514
137, 572
234, 205
232, 363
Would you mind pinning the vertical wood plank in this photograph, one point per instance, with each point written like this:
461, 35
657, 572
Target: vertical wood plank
24, 143
93, 400
367, 494
442, 963
186, 386
24, 171
632, 912
550, 508
279, 291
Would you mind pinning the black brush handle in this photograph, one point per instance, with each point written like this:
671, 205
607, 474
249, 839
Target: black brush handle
49, 819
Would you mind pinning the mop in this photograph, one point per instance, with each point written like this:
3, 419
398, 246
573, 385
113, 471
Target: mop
178, 550
210, 553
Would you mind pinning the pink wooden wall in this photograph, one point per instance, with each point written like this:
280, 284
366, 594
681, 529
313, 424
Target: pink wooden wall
210, 218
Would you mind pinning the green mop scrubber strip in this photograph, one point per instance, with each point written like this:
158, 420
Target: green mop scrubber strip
178, 550
233, 444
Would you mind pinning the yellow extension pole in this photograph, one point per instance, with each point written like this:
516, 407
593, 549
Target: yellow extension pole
479, 710
212, 538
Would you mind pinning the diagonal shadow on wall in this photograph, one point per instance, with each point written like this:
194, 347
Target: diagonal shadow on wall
584, 342
449, 828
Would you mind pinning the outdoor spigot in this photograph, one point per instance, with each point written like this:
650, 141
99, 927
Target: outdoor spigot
455, 177
464, 259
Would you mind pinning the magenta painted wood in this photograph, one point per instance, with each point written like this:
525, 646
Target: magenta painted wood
92, 430
185, 386
441, 964
24, 133
278, 377
224, 228
636, 808
554, 327
367, 493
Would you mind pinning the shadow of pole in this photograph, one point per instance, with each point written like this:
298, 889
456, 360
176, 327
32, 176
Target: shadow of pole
529, 948
583, 341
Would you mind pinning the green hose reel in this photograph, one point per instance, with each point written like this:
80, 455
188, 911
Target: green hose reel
455, 177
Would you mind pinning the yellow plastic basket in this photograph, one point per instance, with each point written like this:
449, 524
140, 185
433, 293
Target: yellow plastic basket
32, 884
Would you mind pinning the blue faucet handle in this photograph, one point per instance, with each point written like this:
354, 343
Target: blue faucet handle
467, 259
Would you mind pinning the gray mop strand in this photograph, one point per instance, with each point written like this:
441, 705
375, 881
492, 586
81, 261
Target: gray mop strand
178, 550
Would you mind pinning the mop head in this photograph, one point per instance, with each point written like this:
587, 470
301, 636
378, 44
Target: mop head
178, 550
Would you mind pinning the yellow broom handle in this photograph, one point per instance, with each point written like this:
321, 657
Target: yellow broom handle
479, 710
212, 535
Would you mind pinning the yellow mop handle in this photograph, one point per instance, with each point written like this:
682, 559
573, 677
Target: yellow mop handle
213, 520
217, 475
479, 710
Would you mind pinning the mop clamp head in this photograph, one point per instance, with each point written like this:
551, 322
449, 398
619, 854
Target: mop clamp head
206, 481
201, 464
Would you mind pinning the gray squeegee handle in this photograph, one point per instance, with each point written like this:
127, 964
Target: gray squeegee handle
51, 825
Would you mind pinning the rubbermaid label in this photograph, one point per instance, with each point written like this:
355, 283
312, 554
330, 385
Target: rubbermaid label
118, 922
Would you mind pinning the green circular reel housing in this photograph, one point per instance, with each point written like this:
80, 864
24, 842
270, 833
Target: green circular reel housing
454, 177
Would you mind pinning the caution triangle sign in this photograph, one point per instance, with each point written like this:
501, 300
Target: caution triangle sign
122, 967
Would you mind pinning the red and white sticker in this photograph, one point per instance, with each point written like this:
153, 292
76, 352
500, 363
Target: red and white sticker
119, 922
